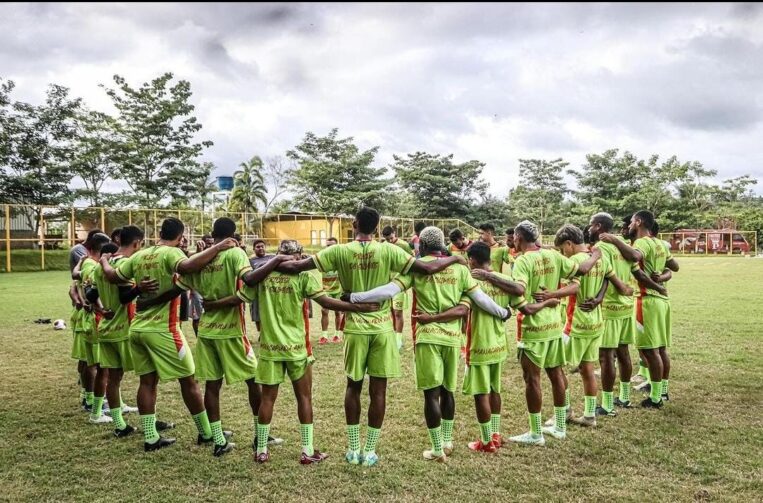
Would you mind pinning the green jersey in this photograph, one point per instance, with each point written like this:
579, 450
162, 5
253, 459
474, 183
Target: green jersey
616, 306
117, 328
535, 269
437, 293
159, 263
404, 245
331, 284
219, 279
499, 255
486, 341
588, 324
655, 256
88, 322
362, 266
281, 299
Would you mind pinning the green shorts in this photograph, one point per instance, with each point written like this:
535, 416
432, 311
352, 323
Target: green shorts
162, 352
653, 328
92, 353
545, 354
617, 332
401, 301
274, 372
582, 349
436, 365
78, 347
232, 358
482, 379
374, 354
116, 355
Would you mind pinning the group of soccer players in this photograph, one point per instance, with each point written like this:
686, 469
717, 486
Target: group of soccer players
582, 301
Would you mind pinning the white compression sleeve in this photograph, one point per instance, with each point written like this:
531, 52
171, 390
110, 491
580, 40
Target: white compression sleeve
378, 294
487, 304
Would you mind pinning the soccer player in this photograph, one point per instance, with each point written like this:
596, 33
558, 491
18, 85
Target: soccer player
459, 244
653, 327
619, 322
259, 258
443, 301
499, 254
401, 301
539, 335
158, 346
370, 345
115, 236
415, 239
486, 349
334, 290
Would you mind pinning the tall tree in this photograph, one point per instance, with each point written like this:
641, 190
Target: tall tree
6, 117
194, 189
157, 149
94, 154
540, 193
276, 174
490, 209
333, 176
248, 187
444, 189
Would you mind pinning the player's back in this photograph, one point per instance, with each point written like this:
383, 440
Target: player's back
654, 257
109, 294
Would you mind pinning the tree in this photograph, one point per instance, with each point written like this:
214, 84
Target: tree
276, 174
443, 189
248, 187
540, 193
93, 158
334, 177
6, 87
38, 145
490, 210
157, 148
195, 188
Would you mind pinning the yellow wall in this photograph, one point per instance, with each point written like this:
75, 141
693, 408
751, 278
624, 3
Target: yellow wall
286, 228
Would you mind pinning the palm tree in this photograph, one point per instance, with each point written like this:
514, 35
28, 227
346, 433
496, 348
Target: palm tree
248, 187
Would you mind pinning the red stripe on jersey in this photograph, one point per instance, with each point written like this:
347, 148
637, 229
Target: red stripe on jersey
640, 313
98, 318
642, 288
306, 318
520, 317
173, 324
130, 312
570, 312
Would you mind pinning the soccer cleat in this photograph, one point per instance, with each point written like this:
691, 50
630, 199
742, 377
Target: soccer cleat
665, 397
584, 421
369, 459
644, 386
431, 456
106, 409
336, 339
271, 441
353, 457
124, 432
557, 434
100, 420
316, 457
529, 439
86, 407
127, 409
447, 448
221, 450
201, 440
647, 403
624, 405
262, 457
638, 379
497, 440
601, 411
552, 421
478, 446
159, 444
164, 425
323, 340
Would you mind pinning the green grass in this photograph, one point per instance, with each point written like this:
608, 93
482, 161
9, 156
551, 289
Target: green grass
706, 444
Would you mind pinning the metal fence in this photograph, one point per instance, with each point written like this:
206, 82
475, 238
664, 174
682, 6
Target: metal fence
706, 242
39, 237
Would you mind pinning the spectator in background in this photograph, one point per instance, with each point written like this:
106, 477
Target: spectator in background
78, 250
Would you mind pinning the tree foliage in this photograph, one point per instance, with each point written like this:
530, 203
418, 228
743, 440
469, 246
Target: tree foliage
248, 187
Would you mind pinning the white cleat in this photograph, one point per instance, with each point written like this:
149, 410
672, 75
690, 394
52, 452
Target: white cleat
529, 439
127, 409
551, 430
103, 419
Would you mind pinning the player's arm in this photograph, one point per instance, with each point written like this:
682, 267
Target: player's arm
672, 264
74, 296
565, 291
487, 304
256, 276
586, 266
508, 286
143, 304
622, 287
109, 272
339, 305
77, 271
128, 293
628, 252
530, 309
375, 295
197, 261
435, 266
454, 313
590, 304
295, 266
647, 282
213, 305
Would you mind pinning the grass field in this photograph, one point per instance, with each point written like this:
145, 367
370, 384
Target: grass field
706, 444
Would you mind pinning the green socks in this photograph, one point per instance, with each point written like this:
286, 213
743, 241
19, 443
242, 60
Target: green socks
306, 433
353, 437
119, 421
89, 398
560, 418
372, 437
435, 437
535, 424
97, 407
486, 430
495, 423
217, 432
656, 391
263, 432
202, 424
148, 424
664, 387
589, 406
567, 398
447, 430
625, 391
607, 400
643, 371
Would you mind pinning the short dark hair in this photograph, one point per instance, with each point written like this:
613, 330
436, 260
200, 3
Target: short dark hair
116, 232
627, 220
258, 241
96, 242
332, 238
92, 233
488, 227
109, 248
420, 226
604, 220
455, 234
223, 228
388, 231
509, 232
655, 228
129, 234
479, 251
368, 219
569, 232
171, 229
646, 217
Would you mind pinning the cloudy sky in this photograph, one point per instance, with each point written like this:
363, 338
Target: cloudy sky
489, 82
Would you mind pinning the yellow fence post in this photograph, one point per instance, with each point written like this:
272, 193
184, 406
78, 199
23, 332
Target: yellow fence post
7, 238
103, 220
42, 241
73, 230
129, 217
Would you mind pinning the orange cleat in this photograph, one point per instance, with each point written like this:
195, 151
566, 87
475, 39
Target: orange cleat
478, 446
